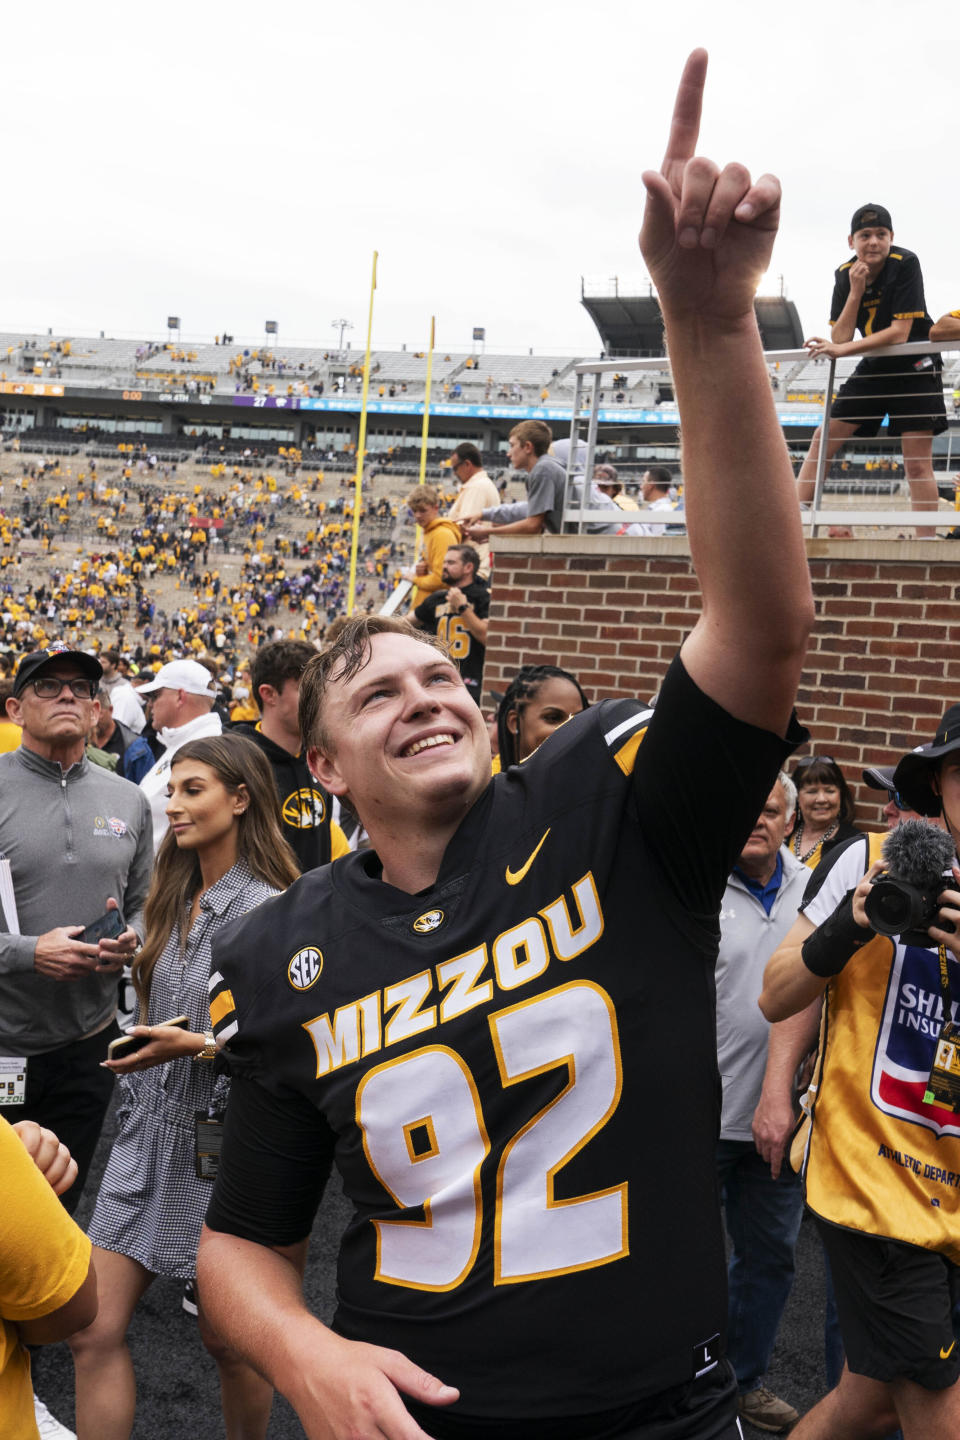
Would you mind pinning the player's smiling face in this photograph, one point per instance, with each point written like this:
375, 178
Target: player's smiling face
405, 732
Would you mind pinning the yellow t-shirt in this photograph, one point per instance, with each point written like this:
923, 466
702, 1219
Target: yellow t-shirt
44, 1257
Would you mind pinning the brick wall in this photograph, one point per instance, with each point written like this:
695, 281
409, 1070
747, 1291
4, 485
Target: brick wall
884, 660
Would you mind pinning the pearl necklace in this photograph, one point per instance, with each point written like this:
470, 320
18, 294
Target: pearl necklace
798, 836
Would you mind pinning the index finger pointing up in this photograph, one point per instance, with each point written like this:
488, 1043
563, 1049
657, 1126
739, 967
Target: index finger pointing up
685, 125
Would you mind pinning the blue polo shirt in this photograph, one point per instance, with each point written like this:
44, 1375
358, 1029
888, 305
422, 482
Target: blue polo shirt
766, 894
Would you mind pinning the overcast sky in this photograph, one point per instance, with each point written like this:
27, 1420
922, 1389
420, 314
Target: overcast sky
233, 163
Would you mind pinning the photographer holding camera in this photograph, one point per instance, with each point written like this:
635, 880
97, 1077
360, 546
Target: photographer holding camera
877, 936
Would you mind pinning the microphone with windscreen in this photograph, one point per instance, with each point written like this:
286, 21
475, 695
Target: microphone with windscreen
903, 900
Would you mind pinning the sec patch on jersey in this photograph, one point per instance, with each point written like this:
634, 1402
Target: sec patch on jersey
305, 967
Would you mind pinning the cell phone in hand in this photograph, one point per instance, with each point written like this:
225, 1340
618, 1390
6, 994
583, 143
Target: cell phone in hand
108, 927
126, 1045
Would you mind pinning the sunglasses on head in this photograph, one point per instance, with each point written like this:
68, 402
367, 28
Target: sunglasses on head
814, 760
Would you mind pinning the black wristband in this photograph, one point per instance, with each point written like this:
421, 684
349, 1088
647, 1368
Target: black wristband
463, 609
832, 944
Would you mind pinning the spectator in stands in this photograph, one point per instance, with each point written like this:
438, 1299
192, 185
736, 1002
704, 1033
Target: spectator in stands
223, 855
826, 809
545, 477
458, 614
595, 500
48, 1286
183, 693
306, 810
763, 1205
242, 706
880, 293
123, 697
539, 699
608, 482
78, 841
134, 756
477, 491
655, 486
437, 537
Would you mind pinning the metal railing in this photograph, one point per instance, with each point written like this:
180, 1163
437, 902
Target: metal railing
587, 411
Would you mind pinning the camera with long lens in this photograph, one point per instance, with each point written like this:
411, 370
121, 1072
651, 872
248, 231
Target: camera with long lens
904, 899
895, 907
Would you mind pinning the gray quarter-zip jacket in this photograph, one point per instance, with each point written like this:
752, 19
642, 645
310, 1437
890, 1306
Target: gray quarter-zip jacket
73, 839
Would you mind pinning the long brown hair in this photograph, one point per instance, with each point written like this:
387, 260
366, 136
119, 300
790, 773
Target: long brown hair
236, 761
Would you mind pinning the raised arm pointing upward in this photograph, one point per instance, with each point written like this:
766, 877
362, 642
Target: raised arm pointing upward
479, 1062
707, 238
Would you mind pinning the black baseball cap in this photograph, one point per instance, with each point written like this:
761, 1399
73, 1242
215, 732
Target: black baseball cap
871, 215
878, 777
913, 777
32, 664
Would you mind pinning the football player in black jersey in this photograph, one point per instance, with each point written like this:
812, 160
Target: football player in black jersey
499, 1021
458, 614
880, 293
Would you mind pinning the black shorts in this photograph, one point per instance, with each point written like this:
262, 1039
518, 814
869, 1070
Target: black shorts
894, 1303
912, 398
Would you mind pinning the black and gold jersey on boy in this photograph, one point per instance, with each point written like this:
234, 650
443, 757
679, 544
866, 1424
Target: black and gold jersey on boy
895, 294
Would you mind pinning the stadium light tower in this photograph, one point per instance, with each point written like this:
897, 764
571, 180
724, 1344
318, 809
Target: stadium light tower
341, 325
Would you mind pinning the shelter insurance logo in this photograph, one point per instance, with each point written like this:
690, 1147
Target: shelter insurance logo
912, 1016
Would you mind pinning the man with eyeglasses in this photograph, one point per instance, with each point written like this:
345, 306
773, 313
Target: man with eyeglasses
78, 840
477, 492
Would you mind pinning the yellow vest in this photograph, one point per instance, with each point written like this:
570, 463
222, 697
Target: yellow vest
876, 1158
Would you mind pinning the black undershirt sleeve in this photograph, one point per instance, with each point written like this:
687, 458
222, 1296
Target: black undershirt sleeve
276, 1158
701, 779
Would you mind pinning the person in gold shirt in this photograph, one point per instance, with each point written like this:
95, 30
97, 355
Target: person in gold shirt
48, 1287
438, 535
880, 1148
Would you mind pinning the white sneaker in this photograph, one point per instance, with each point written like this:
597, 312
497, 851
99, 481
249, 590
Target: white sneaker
49, 1428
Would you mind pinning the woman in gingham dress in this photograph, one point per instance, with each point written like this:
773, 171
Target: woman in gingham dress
223, 855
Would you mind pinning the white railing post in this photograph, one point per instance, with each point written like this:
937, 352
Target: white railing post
822, 459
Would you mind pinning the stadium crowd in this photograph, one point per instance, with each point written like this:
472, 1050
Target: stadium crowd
288, 830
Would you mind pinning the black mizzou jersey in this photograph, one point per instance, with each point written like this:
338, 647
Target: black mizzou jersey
895, 294
516, 1070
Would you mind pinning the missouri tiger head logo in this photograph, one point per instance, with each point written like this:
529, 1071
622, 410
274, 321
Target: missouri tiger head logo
305, 967
304, 809
429, 920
